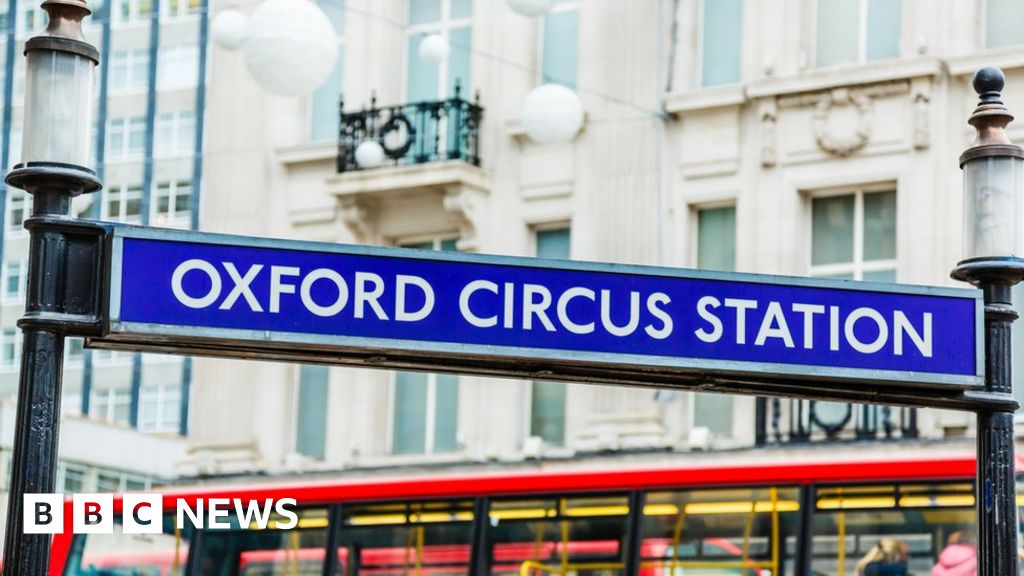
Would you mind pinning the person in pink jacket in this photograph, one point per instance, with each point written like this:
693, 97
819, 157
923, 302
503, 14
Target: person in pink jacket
958, 558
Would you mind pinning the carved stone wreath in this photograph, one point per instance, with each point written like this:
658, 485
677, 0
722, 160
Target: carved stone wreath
848, 143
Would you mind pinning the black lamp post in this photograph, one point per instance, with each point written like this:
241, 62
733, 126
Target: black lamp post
55, 151
994, 261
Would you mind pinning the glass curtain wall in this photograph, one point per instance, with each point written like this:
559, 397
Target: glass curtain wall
147, 151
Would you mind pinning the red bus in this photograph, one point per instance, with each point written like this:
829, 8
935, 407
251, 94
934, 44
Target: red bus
760, 520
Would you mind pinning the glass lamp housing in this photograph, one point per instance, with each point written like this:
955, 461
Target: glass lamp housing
58, 108
994, 207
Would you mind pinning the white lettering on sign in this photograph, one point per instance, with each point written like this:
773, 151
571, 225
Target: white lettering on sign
263, 288
864, 329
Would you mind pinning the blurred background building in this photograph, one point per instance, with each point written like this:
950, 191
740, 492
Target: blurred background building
797, 137
790, 137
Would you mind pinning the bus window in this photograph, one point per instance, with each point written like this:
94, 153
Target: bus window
252, 551
406, 538
889, 529
719, 532
569, 535
121, 554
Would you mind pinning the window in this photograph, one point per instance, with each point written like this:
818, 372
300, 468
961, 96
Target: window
129, 11
425, 413
413, 538
717, 530
852, 31
323, 104
14, 280
120, 553
74, 479
123, 203
716, 238
160, 407
245, 552
716, 250
1002, 23
853, 236
175, 133
914, 520
113, 404
126, 137
178, 66
129, 70
74, 349
547, 399
10, 347
426, 406
532, 530
560, 43
721, 42
453, 20
311, 412
179, 8
111, 357
31, 18
17, 210
173, 201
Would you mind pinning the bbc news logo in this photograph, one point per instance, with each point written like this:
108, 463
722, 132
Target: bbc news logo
144, 513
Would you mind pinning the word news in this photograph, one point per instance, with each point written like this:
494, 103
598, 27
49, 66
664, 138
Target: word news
143, 513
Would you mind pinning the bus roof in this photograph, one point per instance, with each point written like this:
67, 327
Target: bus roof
307, 492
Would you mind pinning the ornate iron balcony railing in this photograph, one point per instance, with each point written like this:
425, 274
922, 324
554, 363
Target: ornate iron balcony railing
804, 421
414, 133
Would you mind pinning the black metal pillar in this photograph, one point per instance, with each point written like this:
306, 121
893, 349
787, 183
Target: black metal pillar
992, 168
996, 491
59, 263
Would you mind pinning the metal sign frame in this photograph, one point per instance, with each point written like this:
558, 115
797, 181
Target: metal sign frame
535, 363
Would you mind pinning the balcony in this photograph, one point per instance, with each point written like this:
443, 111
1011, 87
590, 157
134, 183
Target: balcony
787, 422
431, 162
415, 133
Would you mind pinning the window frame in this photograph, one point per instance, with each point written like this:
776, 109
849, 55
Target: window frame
164, 396
18, 297
444, 27
699, 60
122, 190
109, 398
862, 36
340, 49
558, 8
16, 196
430, 420
172, 218
856, 267
693, 236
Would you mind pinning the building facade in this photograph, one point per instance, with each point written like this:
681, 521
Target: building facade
796, 137
125, 415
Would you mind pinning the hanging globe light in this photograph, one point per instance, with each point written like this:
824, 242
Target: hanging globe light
291, 46
434, 49
230, 27
552, 113
369, 154
530, 7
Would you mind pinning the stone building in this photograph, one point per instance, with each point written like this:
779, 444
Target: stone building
797, 137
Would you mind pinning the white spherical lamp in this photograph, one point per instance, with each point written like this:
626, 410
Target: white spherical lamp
369, 154
434, 49
530, 7
291, 47
230, 28
552, 113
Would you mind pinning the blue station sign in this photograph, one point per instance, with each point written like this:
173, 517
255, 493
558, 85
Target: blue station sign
337, 300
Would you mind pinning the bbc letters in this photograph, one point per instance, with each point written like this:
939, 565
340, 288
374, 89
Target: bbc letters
143, 513
523, 306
